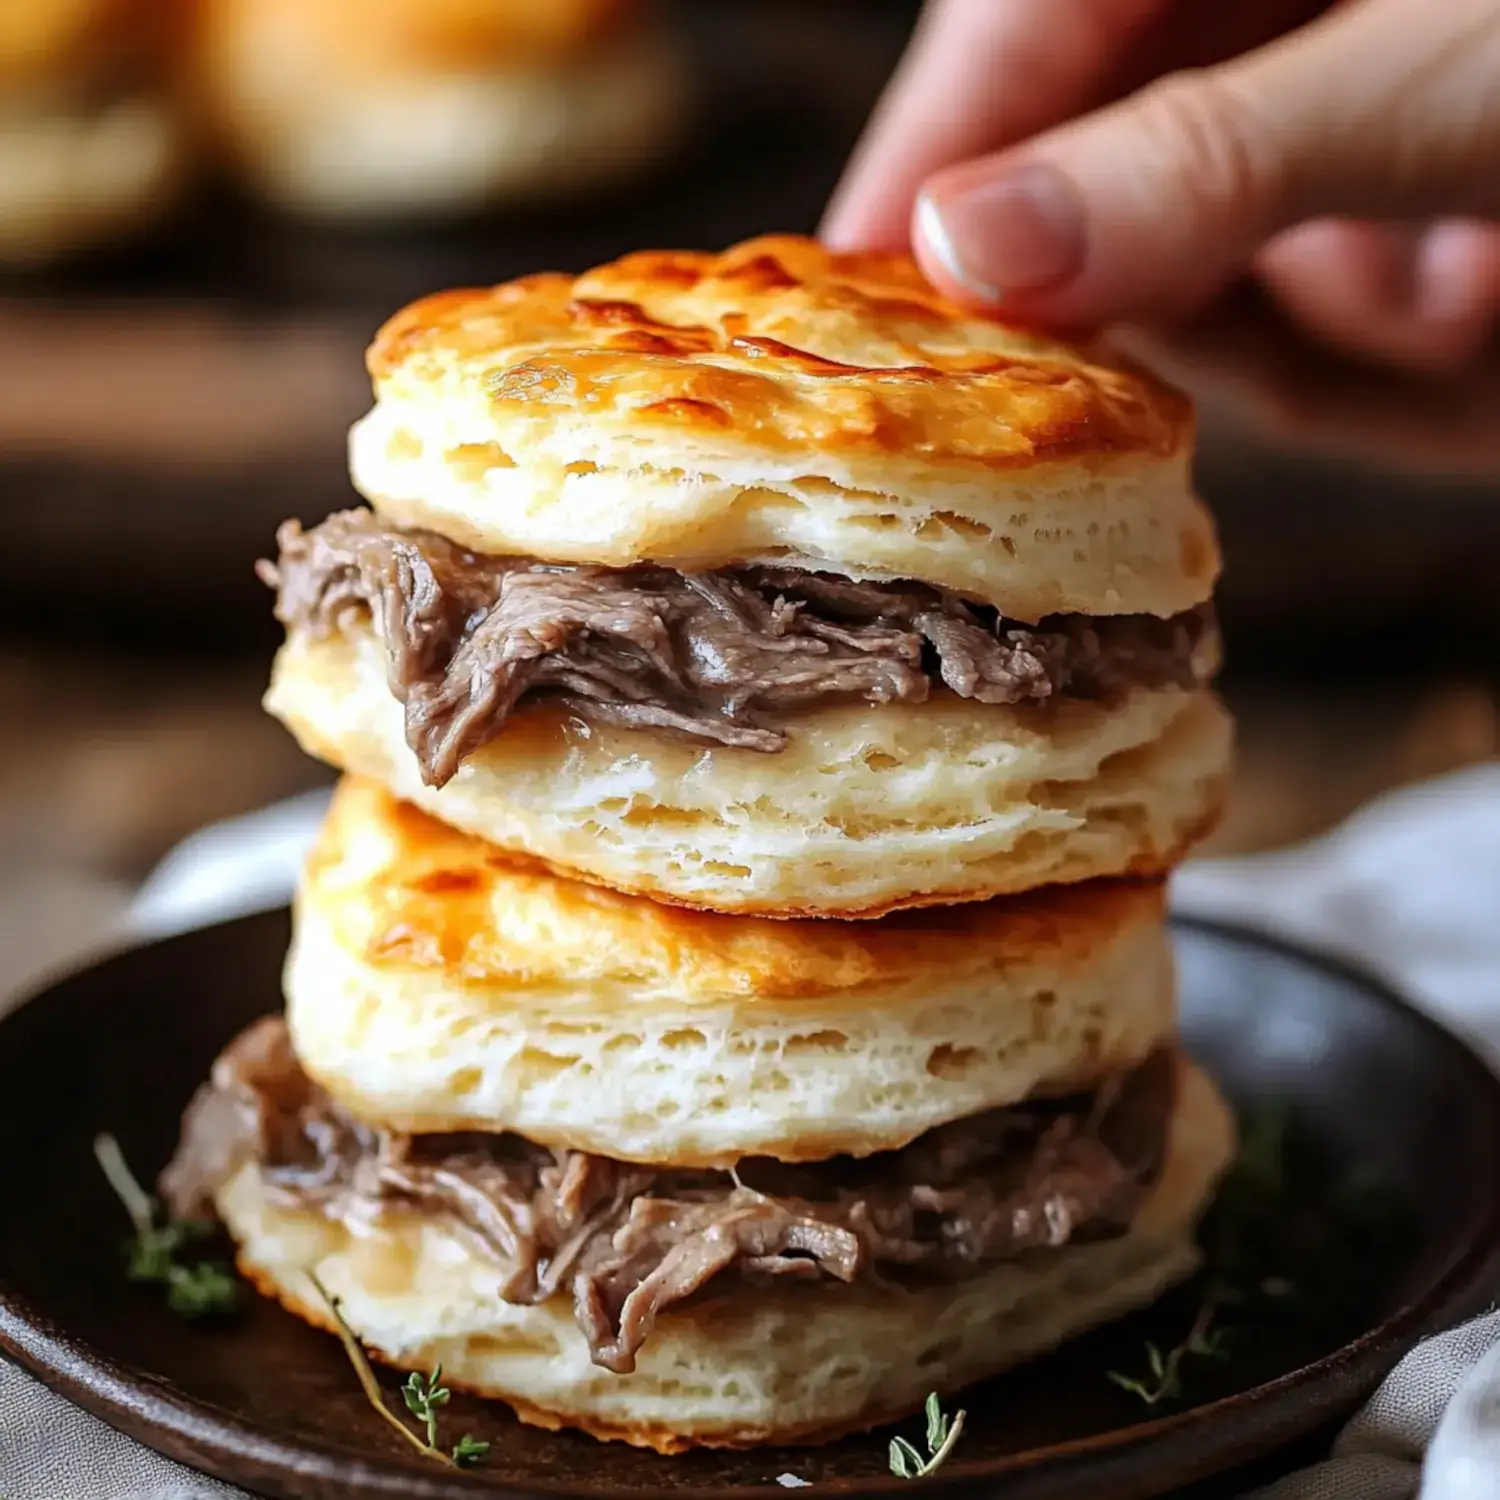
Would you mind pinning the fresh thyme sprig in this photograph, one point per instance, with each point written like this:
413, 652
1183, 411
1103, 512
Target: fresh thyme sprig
467, 1451
423, 1396
1163, 1380
196, 1288
942, 1434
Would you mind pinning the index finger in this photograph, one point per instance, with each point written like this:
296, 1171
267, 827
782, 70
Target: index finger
978, 75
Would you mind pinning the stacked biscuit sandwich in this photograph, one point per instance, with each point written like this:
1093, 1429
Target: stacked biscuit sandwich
730, 997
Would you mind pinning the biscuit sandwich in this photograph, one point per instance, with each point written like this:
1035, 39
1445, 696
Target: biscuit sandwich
384, 108
688, 1179
92, 143
767, 582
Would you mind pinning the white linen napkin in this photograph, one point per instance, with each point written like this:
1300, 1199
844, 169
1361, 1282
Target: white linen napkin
1409, 887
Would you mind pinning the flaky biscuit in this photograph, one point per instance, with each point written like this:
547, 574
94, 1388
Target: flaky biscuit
774, 1364
868, 809
779, 402
437, 983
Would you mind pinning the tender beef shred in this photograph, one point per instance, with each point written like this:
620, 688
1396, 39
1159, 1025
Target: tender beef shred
721, 657
629, 1241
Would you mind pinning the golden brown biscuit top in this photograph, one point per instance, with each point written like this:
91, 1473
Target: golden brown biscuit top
355, 38
779, 343
408, 892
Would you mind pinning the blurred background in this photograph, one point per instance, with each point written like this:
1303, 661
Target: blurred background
206, 208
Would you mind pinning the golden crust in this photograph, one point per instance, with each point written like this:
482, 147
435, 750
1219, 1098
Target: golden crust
797, 344
662, 1439
424, 896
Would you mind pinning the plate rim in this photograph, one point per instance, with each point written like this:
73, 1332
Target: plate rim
218, 1442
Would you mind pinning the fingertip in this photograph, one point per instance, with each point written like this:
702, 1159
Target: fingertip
998, 232
1458, 274
938, 256
840, 228
1351, 266
839, 234
864, 215
1423, 301
846, 229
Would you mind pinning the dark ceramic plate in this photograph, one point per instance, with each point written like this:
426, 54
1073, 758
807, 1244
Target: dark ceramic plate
1378, 1218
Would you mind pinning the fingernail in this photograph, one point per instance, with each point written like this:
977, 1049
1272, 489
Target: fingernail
1452, 275
1021, 232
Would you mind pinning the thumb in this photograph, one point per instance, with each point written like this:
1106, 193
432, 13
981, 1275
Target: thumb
1381, 109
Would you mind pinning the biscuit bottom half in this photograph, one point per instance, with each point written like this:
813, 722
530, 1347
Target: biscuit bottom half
869, 808
774, 1363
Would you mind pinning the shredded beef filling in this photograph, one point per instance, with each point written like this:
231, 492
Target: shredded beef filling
721, 657
629, 1241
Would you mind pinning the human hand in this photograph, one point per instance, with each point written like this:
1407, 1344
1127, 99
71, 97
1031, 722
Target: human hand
1088, 161
1255, 371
